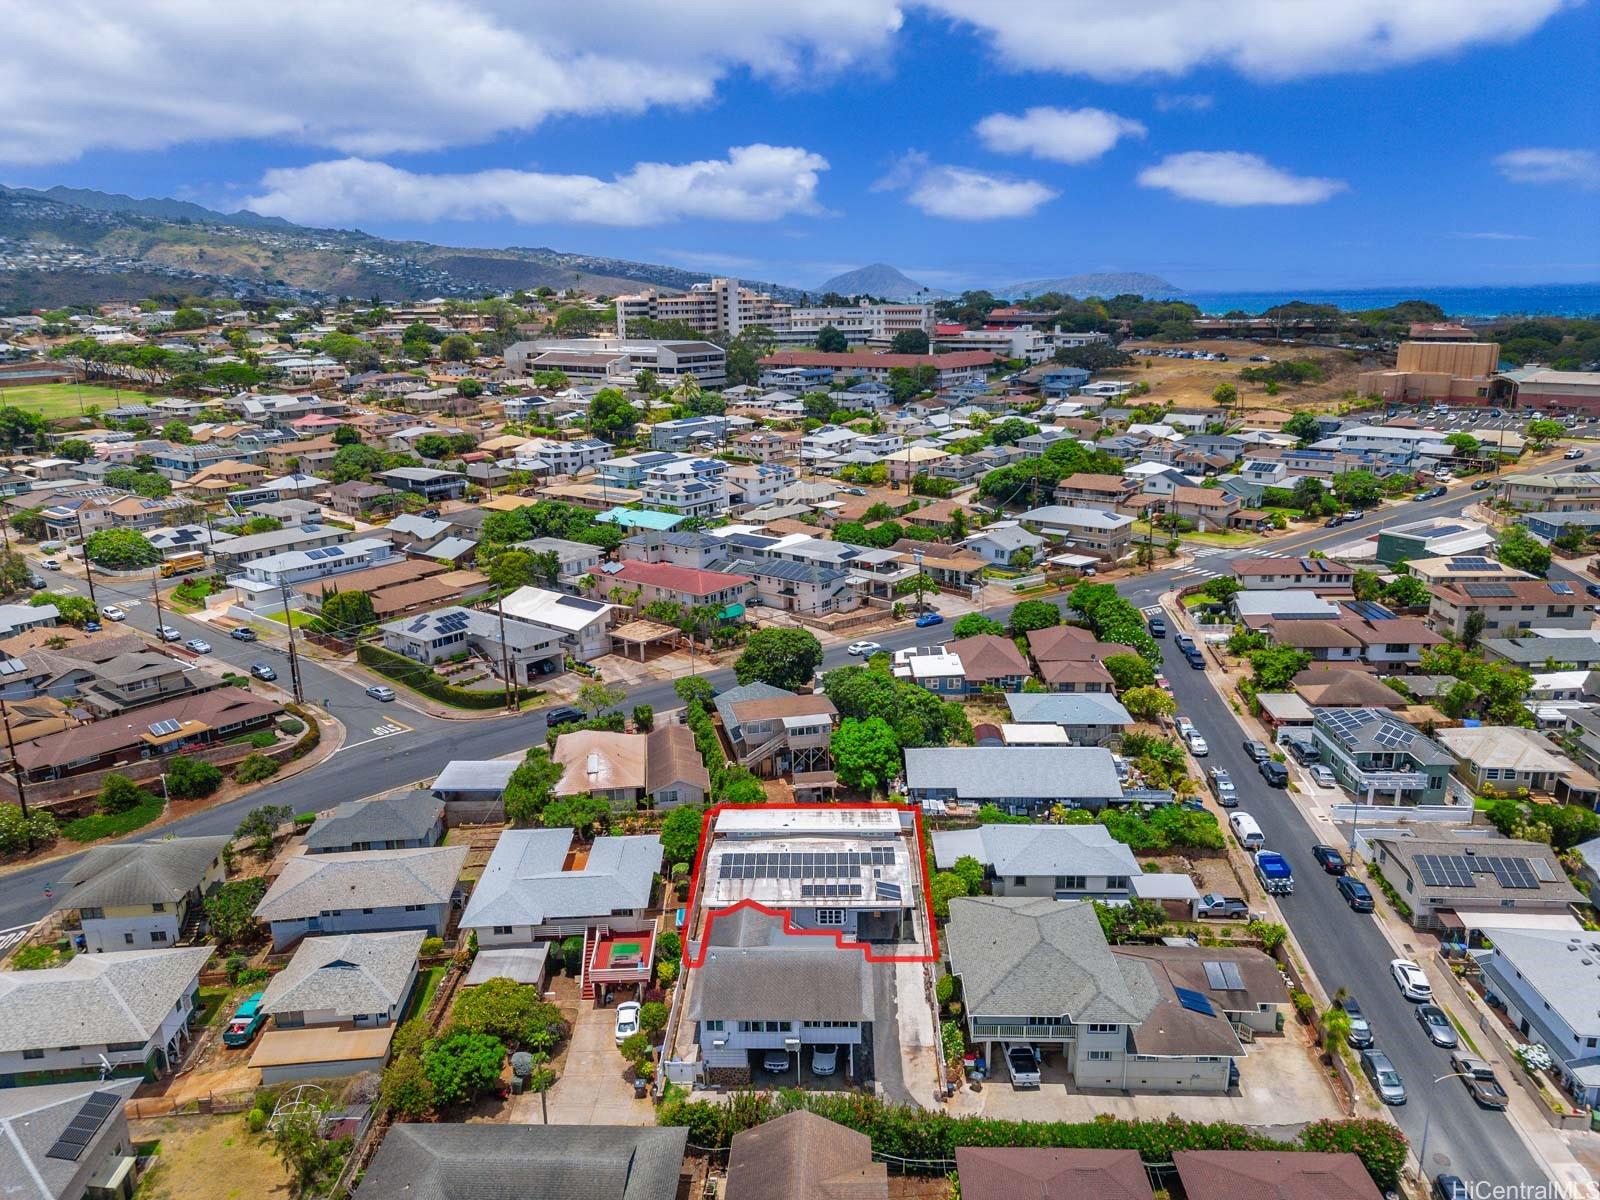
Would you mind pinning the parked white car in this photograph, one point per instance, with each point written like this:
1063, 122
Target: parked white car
1197, 746
1413, 983
112, 613
627, 1020
1022, 1064
1322, 777
863, 649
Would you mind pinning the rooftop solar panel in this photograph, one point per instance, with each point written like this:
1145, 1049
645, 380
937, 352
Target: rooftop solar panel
69, 1147
1561, 589
1224, 977
1488, 591
1195, 1001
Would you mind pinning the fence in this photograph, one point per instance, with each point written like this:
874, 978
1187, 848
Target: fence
54, 792
211, 1103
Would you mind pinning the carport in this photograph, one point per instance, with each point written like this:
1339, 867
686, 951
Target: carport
642, 634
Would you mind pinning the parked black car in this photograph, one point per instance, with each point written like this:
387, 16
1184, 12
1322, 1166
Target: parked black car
1329, 859
562, 714
1356, 894
1360, 1036
1158, 627
1275, 773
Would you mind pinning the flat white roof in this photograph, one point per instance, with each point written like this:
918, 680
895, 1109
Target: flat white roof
791, 872
1034, 735
746, 821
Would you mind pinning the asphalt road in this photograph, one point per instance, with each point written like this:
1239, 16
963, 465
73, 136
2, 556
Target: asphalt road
1348, 950
1345, 950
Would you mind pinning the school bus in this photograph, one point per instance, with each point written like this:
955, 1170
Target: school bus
182, 564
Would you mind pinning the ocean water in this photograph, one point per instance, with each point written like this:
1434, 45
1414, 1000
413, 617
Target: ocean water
1553, 299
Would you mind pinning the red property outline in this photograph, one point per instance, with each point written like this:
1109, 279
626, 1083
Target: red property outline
783, 914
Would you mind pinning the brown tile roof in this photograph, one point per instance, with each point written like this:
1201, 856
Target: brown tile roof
598, 760
431, 592
775, 707
1345, 689
989, 656
1043, 1173
1411, 631
223, 706
1271, 1175
1068, 670
1204, 497
1522, 591
672, 757
1071, 642
373, 579
1313, 635
1111, 485
801, 1156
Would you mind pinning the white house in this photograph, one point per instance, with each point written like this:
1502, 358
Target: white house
139, 894
584, 625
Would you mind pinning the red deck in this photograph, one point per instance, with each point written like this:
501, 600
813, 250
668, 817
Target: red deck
623, 956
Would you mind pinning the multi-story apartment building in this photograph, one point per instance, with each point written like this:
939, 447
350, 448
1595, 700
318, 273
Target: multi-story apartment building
1557, 491
860, 323
692, 487
617, 361
721, 305
1513, 604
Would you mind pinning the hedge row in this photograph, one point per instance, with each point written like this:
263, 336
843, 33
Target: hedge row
907, 1132
420, 678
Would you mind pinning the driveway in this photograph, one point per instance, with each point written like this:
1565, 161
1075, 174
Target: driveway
1280, 1084
595, 1087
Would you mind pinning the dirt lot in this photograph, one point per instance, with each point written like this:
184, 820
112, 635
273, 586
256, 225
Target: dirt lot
1187, 383
214, 1157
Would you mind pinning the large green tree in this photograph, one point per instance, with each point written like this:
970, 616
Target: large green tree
831, 341
784, 658
121, 549
1520, 549
610, 413
347, 613
866, 754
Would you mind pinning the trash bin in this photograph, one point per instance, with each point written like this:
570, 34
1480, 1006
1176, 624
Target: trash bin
640, 1088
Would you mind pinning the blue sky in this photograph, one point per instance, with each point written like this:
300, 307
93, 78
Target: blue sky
1223, 144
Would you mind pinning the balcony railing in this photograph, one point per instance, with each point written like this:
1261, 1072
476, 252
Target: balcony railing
1392, 781
989, 1029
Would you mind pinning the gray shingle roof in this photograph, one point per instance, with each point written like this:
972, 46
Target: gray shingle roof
1022, 957
518, 1162
525, 885
801, 1156
405, 817
316, 883
95, 999
476, 775
348, 974
1038, 850
1066, 708
137, 873
1015, 772
31, 1119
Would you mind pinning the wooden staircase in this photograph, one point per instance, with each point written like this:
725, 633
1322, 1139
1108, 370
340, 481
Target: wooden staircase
591, 935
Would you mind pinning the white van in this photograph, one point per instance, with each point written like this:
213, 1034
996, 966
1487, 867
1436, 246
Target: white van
1247, 831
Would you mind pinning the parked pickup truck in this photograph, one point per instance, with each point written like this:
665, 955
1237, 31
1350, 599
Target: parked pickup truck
1479, 1078
1222, 908
1272, 869
1022, 1064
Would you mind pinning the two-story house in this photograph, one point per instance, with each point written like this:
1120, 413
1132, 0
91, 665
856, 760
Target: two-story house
129, 1010
362, 892
1105, 493
990, 661
432, 485
799, 587
135, 895
137, 679
685, 586
1379, 758
1088, 718
1017, 779
1280, 574
396, 822
1511, 605
1543, 979
773, 732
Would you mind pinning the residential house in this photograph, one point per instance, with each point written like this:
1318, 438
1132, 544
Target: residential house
1379, 757
518, 1162
583, 624
801, 1156
1505, 758
394, 822
1048, 1173
132, 1009
433, 486
773, 732
362, 892
1283, 1175
1104, 493
607, 766
1515, 605
1005, 544
531, 652
1442, 877
1085, 530
991, 661
663, 582
1388, 641
1070, 659
1016, 779
139, 894
1580, 651
1432, 537
1332, 686
537, 886
674, 772
796, 586
953, 568
356, 980
473, 790
1543, 980
266, 585
1208, 508
1087, 718
139, 679
577, 558
1554, 491
1063, 862
1320, 575
1039, 970
69, 1141
181, 726
363, 500
235, 554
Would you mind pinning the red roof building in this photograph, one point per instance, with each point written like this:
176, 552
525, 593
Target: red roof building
681, 585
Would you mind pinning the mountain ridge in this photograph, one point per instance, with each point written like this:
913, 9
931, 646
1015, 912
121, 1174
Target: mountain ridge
1096, 283
881, 279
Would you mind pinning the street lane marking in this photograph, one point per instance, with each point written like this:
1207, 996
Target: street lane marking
379, 732
10, 937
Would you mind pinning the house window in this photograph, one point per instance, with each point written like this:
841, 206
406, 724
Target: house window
158, 935
1116, 883
1070, 883
367, 911
127, 939
830, 916
33, 1054
713, 1026
502, 929
1102, 1028
1019, 881
158, 907
415, 907
1491, 772
1098, 1055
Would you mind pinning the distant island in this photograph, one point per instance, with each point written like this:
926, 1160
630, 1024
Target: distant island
1109, 283
882, 280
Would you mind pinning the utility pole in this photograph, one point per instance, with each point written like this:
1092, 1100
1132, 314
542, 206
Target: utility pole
161, 621
211, 537
16, 767
88, 574
505, 653
294, 656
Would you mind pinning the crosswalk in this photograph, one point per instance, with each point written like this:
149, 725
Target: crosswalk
1196, 570
10, 937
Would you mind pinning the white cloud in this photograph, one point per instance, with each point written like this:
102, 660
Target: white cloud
1234, 180
1551, 165
961, 193
1490, 236
754, 183
1069, 135
1266, 39
76, 75
1183, 102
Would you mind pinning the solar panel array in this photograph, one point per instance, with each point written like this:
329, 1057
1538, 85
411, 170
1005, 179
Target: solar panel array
807, 864
1224, 977
1392, 735
1468, 563
1456, 870
325, 552
887, 891
580, 602
162, 728
1561, 589
1194, 1001
1489, 591
75, 1138
830, 891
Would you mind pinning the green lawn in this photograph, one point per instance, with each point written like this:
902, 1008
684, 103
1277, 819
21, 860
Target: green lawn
294, 617
102, 825
54, 400
212, 1001
422, 995
1230, 538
